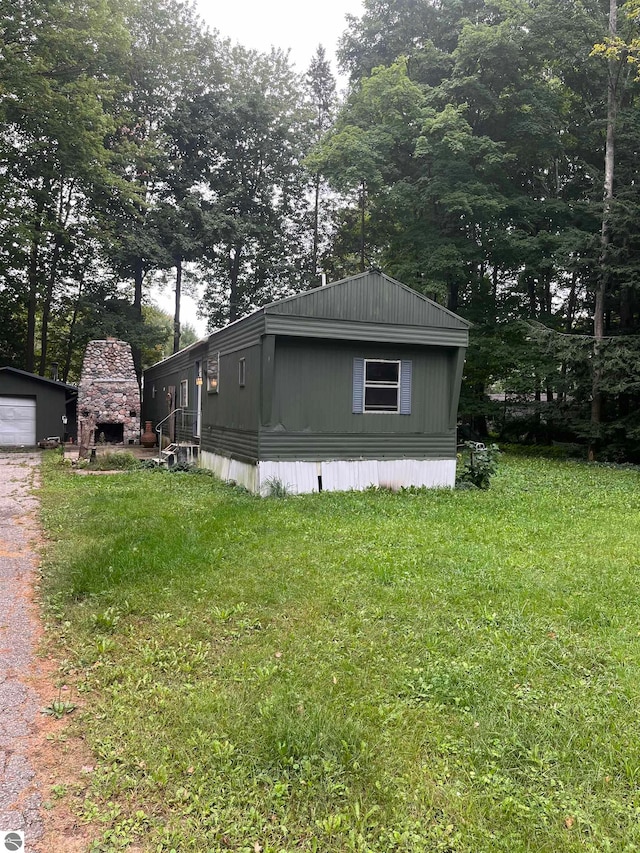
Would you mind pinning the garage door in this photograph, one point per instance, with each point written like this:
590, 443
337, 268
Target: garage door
17, 421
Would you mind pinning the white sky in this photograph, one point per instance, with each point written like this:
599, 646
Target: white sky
288, 24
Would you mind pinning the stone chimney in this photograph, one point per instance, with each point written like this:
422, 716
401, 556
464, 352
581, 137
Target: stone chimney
109, 394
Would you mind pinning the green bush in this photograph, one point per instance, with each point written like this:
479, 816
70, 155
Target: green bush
477, 463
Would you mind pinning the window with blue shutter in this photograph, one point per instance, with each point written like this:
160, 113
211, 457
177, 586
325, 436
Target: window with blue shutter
381, 386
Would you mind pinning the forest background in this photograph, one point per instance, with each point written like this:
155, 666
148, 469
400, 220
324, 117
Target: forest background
485, 154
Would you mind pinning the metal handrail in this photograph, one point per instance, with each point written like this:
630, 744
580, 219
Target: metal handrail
164, 420
159, 430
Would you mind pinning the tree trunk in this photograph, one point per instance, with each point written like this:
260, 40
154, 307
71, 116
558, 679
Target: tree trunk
316, 227
605, 238
138, 277
46, 304
362, 225
453, 295
64, 211
626, 308
72, 327
32, 302
176, 316
572, 302
234, 270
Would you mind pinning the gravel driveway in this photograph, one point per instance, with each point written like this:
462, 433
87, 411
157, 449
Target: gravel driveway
20, 800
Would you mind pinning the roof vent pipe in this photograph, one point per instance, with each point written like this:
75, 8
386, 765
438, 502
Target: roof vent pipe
323, 278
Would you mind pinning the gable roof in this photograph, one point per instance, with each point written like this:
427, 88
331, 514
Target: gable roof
371, 297
71, 389
370, 306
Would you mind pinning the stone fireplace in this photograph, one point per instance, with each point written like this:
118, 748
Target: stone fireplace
109, 394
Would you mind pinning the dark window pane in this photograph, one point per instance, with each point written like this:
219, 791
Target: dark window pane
381, 400
382, 371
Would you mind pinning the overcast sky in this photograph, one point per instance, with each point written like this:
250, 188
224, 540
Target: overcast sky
288, 24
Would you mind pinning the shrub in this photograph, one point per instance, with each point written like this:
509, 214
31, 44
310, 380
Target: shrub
476, 465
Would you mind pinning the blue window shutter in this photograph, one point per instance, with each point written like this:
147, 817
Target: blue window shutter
358, 386
405, 387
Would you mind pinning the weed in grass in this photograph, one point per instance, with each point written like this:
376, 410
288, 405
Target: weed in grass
181, 468
104, 645
59, 791
107, 620
273, 487
476, 465
59, 708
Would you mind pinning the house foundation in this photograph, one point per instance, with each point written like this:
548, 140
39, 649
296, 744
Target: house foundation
337, 475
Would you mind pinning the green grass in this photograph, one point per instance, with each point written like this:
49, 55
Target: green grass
428, 671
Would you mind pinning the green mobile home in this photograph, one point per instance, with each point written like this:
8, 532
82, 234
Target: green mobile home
353, 384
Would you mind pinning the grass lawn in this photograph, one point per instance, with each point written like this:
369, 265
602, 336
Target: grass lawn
429, 671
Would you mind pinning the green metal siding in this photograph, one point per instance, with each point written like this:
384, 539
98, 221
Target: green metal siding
238, 444
369, 298
239, 335
312, 413
297, 401
231, 417
323, 446
311, 327
170, 373
314, 388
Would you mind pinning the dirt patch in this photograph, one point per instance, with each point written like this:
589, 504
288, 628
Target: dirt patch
61, 760
63, 764
39, 752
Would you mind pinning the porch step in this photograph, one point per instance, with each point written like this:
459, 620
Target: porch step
178, 452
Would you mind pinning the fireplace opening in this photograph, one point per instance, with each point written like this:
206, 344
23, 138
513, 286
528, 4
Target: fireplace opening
109, 434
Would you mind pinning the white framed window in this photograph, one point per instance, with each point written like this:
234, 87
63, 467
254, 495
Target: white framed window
242, 372
184, 394
382, 386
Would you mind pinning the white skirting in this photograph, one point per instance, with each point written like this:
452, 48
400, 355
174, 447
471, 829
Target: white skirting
242, 473
334, 475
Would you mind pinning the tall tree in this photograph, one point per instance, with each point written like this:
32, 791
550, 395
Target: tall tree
168, 51
256, 186
321, 86
59, 65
